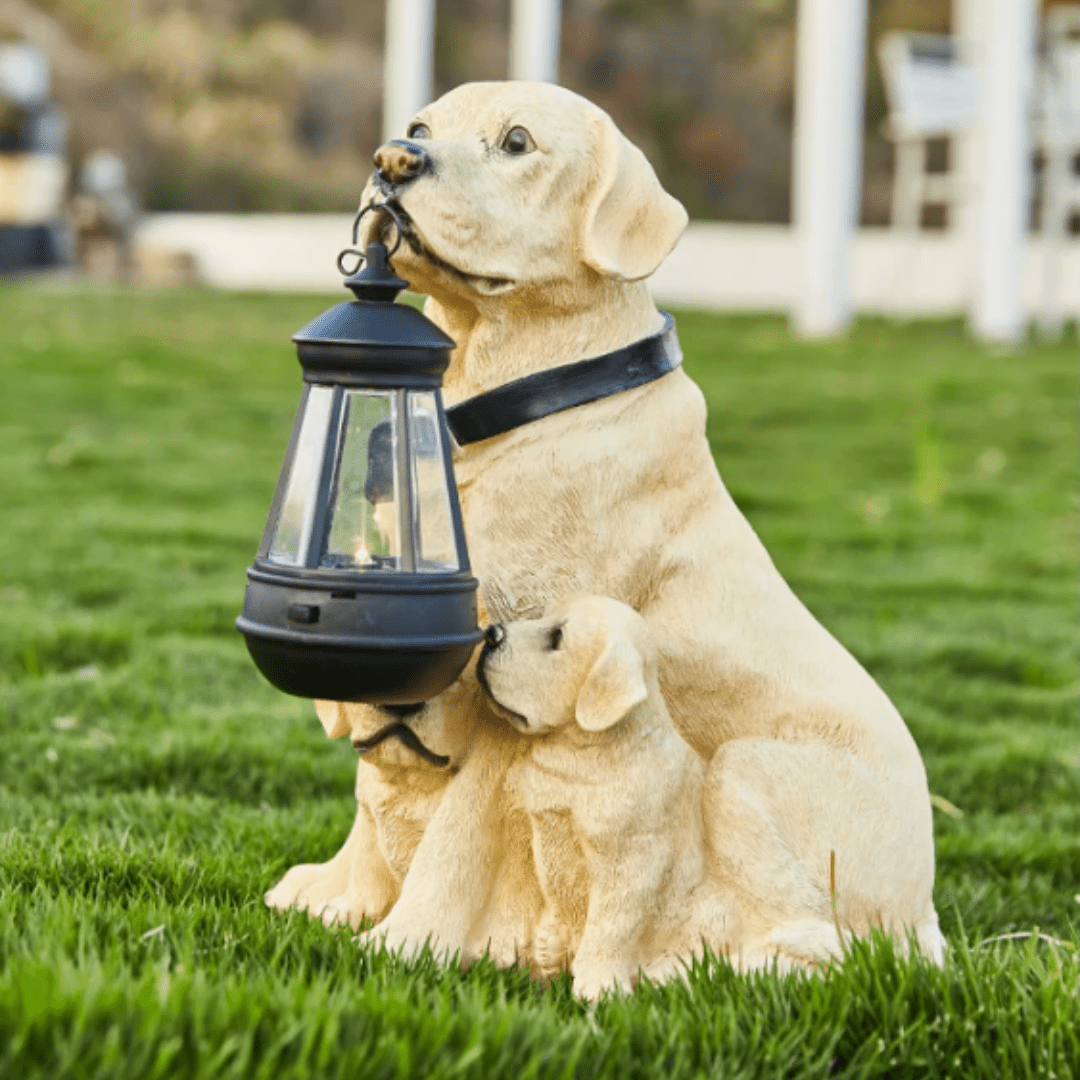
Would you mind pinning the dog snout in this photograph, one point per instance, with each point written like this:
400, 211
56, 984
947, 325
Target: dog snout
399, 162
495, 635
402, 711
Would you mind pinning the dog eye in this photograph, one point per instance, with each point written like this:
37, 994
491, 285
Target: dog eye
419, 131
518, 141
555, 638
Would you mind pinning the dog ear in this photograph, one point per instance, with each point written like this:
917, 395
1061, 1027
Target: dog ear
631, 222
332, 716
612, 688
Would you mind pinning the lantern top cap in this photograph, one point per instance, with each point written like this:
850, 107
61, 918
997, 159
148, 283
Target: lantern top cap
372, 341
377, 280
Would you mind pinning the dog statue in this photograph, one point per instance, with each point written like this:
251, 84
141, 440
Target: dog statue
532, 224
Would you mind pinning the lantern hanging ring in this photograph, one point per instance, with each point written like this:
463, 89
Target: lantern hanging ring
399, 229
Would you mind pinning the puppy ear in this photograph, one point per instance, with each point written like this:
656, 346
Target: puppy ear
332, 716
631, 222
612, 688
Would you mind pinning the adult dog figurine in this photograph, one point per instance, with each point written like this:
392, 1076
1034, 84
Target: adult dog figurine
532, 224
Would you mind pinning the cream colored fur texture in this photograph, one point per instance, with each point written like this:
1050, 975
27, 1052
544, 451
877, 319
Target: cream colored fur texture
531, 223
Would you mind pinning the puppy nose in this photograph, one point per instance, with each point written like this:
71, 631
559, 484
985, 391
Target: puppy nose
495, 635
400, 162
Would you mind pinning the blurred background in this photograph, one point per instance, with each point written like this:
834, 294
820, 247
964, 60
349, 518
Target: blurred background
154, 108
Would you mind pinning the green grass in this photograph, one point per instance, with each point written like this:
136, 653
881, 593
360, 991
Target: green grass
919, 493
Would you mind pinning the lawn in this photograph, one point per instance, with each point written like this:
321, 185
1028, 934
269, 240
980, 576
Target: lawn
918, 491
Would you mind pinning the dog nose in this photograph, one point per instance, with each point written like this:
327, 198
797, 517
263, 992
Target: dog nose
399, 162
495, 635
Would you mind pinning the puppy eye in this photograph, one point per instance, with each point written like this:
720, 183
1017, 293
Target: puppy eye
555, 638
518, 141
419, 131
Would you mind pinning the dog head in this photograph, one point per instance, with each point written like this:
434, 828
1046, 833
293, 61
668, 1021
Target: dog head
589, 662
511, 187
431, 736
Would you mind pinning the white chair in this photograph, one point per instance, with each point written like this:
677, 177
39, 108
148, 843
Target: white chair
931, 94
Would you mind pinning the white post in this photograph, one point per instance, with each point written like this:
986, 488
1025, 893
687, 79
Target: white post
967, 27
829, 91
1007, 58
1055, 223
408, 62
534, 40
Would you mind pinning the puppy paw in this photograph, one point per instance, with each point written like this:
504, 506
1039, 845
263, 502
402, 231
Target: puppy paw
551, 953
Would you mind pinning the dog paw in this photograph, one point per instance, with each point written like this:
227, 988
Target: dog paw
665, 968
590, 983
343, 910
402, 942
307, 887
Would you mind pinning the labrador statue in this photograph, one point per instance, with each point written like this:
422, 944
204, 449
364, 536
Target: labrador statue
776, 800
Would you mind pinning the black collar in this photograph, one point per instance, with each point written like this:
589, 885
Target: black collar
536, 396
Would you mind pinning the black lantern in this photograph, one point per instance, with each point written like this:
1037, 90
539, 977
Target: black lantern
361, 588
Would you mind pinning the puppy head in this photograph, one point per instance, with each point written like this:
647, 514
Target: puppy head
589, 662
509, 186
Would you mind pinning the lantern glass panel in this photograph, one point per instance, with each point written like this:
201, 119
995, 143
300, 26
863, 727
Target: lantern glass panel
292, 535
434, 527
365, 525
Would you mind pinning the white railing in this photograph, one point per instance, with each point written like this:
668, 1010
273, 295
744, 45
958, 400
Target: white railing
718, 267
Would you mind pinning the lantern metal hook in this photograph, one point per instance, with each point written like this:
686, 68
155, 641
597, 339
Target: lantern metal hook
399, 228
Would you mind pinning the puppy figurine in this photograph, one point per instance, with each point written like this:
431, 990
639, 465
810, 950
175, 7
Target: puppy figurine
612, 791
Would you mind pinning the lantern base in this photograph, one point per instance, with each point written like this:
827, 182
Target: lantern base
376, 676
385, 639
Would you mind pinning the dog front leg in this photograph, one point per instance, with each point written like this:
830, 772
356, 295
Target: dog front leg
451, 874
355, 885
370, 887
